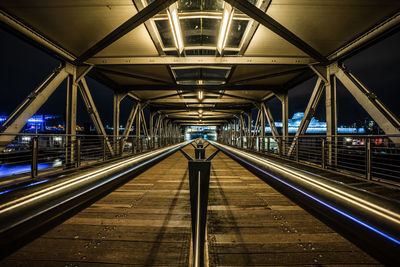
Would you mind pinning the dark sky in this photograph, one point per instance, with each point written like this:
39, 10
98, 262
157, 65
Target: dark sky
24, 67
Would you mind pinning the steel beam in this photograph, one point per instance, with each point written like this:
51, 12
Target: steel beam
271, 75
178, 87
138, 126
272, 125
331, 117
202, 121
129, 122
130, 75
386, 27
262, 126
202, 60
309, 113
285, 121
385, 119
253, 28
144, 124
33, 35
139, 18
204, 101
116, 112
93, 113
264, 19
17, 120
150, 29
70, 122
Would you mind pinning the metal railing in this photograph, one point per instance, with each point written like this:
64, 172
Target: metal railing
31, 155
373, 157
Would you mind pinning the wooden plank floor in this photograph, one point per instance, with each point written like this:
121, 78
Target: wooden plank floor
147, 222
250, 223
144, 222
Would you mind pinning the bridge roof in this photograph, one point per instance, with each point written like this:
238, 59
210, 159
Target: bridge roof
268, 48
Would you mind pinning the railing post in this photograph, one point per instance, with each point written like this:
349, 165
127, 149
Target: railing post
323, 153
78, 152
104, 148
297, 149
368, 158
268, 145
34, 159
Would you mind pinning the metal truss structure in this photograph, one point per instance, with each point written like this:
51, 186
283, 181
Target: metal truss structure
131, 56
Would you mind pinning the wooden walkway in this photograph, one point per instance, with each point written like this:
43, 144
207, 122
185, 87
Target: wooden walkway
147, 222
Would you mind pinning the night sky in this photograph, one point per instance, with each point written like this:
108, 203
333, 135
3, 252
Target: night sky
24, 67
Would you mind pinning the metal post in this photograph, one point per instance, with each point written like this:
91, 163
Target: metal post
269, 144
133, 144
368, 159
285, 123
297, 149
78, 152
70, 127
34, 159
117, 100
138, 126
104, 148
323, 153
331, 117
262, 133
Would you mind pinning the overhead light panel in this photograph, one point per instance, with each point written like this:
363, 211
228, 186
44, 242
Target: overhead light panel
225, 27
200, 94
173, 18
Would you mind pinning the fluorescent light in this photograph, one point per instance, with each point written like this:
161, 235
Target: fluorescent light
225, 27
200, 95
173, 19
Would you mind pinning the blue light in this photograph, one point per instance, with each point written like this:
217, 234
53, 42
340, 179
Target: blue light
325, 204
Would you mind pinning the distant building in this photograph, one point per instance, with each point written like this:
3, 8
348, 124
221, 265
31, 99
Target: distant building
315, 126
41, 123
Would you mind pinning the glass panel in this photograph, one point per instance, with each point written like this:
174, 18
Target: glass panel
200, 31
186, 74
236, 32
200, 52
230, 53
164, 29
200, 5
205, 74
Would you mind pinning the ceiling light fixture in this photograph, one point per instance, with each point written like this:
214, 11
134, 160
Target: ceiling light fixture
200, 111
225, 27
200, 94
173, 18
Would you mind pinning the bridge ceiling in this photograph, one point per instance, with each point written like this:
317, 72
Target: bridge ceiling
253, 63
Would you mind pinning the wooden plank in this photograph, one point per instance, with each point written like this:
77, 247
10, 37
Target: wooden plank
250, 223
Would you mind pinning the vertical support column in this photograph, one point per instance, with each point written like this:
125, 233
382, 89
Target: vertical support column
34, 159
331, 117
262, 130
368, 158
117, 101
152, 114
137, 128
70, 127
285, 122
249, 126
241, 130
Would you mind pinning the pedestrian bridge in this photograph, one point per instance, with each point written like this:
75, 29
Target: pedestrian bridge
141, 194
